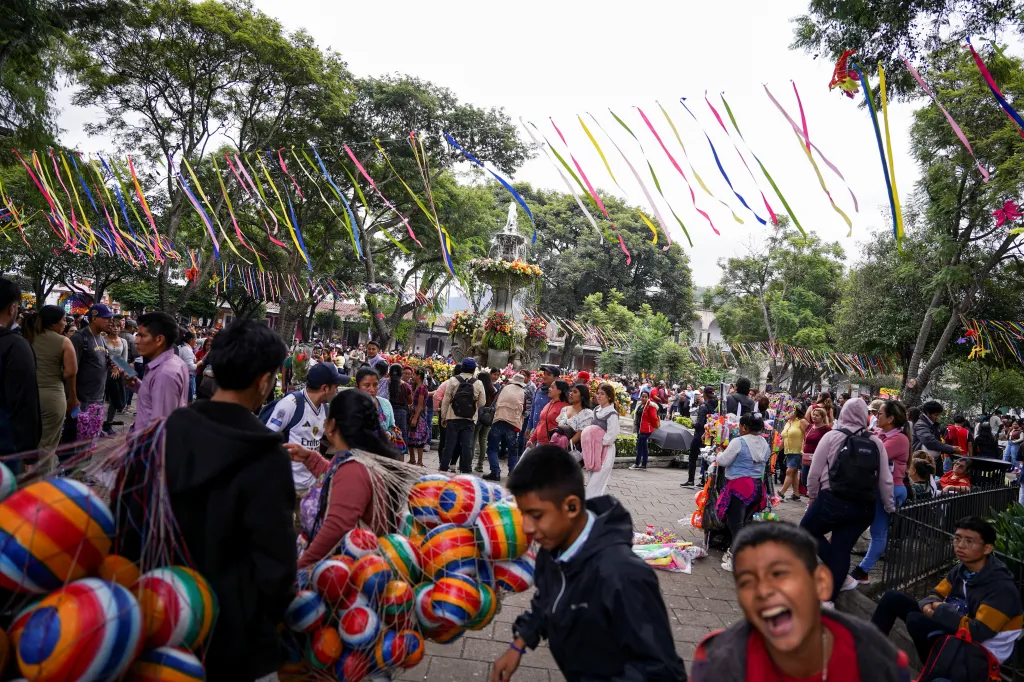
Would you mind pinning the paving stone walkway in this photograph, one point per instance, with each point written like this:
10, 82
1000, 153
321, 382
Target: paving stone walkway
697, 603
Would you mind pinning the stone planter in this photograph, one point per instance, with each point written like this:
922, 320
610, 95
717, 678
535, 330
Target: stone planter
497, 358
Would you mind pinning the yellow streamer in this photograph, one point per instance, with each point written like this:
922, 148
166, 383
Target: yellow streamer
284, 211
650, 225
213, 214
85, 220
601, 153
821, 181
366, 209
888, 151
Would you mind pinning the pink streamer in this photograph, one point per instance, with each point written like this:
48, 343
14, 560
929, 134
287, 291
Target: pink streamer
256, 197
949, 118
381, 195
693, 197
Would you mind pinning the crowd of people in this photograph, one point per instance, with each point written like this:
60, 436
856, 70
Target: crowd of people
599, 606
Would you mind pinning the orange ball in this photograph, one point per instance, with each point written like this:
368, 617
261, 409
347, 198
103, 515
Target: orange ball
115, 568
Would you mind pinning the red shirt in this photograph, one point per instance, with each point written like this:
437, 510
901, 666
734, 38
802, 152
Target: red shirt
842, 665
957, 435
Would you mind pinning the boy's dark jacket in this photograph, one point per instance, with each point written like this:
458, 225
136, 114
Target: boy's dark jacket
231, 491
722, 656
993, 587
602, 611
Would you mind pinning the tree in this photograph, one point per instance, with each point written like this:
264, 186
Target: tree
136, 296
576, 264
957, 218
973, 386
327, 321
882, 31
33, 38
172, 76
782, 292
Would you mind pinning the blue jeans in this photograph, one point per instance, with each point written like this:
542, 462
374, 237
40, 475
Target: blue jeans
502, 432
947, 464
846, 521
1010, 455
430, 420
641, 449
191, 387
880, 528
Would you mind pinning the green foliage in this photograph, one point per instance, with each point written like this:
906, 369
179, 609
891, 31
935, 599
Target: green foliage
644, 352
675, 359
326, 320
203, 305
404, 332
611, 362
881, 30
625, 446
1009, 525
685, 421
704, 376
973, 386
136, 296
612, 314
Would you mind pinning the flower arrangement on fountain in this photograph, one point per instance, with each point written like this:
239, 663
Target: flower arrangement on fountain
464, 322
497, 266
537, 332
498, 331
442, 370
622, 399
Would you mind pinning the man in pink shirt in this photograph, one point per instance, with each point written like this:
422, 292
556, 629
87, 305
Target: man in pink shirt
165, 386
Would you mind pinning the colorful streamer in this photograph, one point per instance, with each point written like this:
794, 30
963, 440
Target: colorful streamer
718, 162
373, 184
353, 226
590, 188
888, 151
500, 179
443, 238
949, 118
881, 151
771, 213
996, 92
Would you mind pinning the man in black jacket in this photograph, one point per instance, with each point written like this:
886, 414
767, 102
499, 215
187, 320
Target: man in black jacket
232, 497
20, 421
707, 407
740, 401
597, 603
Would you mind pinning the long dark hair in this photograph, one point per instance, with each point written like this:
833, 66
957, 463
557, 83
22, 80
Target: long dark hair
394, 383
563, 389
898, 413
38, 321
485, 379
355, 415
585, 395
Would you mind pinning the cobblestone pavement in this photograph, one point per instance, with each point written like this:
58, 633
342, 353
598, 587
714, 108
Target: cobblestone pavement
697, 603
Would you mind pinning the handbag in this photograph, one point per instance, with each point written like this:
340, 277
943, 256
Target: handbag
486, 416
958, 659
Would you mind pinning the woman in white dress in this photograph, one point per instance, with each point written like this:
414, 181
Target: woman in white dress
599, 456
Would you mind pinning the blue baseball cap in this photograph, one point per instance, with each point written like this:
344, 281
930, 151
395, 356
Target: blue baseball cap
323, 374
99, 310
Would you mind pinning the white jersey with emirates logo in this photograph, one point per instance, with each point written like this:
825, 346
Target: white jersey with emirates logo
307, 432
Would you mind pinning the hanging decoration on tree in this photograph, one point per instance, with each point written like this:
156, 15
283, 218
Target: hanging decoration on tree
1007, 214
843, 77
1011, 113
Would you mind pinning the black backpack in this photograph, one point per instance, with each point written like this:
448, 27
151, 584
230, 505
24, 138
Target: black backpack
853, 475
464, 400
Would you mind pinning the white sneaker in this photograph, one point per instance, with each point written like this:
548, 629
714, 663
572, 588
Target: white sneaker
727, 562
849, 584
634, 468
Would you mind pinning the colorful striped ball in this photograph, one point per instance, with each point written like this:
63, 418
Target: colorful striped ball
390, 649
456, 599
425, 615
500, 534
488, 609
331, 580
166, 664
423, 499
445, 634
462, 499
358, 543
18, 624
51, 533
449, 549
371, 575
397, 599
359, 627
353, 666
402, 555
414, 648
485, 572
8, 482
515, 575
89, 630
324, 647
116, 568
178, 607
306, 613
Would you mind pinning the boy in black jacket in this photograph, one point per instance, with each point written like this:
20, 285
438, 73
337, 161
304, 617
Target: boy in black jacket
598, 604
231, 493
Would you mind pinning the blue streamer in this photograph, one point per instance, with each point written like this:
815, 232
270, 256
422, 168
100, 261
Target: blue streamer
714, 152
120, 200
881, 148
500, 179
295, 223
1010, 111
348, 209
103, 232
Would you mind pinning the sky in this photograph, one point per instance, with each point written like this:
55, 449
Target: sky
559, 59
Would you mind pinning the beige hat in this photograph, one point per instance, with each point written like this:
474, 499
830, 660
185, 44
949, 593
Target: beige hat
875, 405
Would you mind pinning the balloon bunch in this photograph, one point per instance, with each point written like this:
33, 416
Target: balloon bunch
367, 611
92, 614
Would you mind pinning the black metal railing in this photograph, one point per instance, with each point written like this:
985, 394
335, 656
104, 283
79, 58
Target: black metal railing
920, 550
